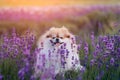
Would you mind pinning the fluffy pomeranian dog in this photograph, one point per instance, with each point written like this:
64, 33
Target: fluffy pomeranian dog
58, 53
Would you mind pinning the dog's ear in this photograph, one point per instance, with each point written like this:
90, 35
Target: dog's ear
64, 28
48, 35
52, 28
66, 32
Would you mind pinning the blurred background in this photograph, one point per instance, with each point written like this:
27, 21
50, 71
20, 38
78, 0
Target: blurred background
79, 16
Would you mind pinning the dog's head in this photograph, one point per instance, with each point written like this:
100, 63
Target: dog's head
58, 36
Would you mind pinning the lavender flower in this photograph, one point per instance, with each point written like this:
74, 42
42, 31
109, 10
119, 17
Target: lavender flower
86, 48
1, 77
92, 62
112, 61
92, 39
32, 78
21, 74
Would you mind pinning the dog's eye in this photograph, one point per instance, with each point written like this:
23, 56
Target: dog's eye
53, 37
68, 36
47, 36
61, 37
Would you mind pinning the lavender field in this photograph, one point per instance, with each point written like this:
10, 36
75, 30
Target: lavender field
76, 18
97, 35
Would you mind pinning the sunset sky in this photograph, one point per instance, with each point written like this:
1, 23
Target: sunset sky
14, 3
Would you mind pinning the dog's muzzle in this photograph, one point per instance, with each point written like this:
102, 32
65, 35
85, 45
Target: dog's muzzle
57, 42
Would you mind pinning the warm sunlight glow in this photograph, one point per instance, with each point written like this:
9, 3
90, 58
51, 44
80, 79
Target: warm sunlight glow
14, 3
35, 2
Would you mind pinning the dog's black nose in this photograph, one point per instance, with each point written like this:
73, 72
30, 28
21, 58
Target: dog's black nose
57, 40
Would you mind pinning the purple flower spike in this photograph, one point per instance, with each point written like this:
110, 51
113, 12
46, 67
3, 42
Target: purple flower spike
112, 61
1, 77
86, 48
62, 51
32, 78
21, 73
79, 47
92, 62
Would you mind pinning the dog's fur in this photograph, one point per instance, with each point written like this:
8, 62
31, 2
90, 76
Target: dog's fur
58, 49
